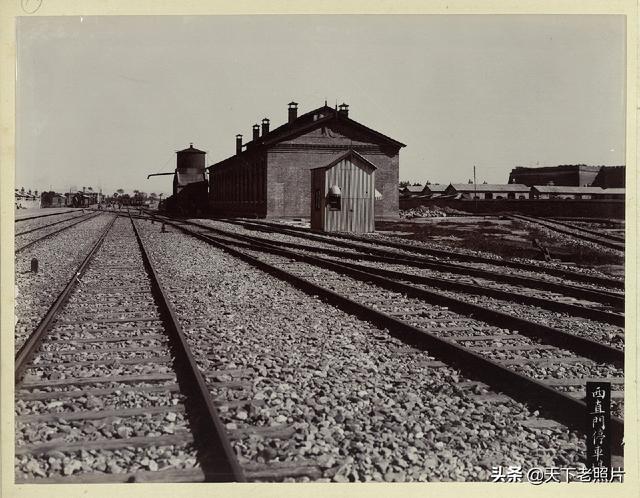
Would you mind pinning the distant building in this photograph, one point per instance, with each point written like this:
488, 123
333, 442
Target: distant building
610, 177
564, 192
26, 199
52, 199
575, 175
412, 189
434, 189
487, 191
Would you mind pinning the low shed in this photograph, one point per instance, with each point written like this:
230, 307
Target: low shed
343, 195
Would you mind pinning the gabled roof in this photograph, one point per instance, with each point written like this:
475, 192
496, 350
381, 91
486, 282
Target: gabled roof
414, 189
349, 154
490, 187
315, 119
560, 189
435, 187
305, 123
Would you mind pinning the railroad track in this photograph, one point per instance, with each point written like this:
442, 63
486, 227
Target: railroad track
107, 389
571, 301
605, 240
578, 225
534, 364
42, 222
26, 238
59, 213
358, 242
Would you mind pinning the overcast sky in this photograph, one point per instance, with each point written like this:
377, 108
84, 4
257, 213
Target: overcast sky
103, 101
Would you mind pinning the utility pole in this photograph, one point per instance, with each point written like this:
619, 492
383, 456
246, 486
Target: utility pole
475, 189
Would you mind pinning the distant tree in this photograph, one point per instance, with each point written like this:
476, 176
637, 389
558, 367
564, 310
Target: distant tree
404, 183
470, 181
417, 184
120, 191
22, 190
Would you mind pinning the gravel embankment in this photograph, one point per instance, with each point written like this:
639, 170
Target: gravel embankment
379, 238
23, 226
27, 238
439, 321
481, 282
369, 242
58, 259
359, 402
97, 374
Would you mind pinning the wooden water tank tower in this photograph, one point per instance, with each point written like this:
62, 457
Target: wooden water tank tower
343, 195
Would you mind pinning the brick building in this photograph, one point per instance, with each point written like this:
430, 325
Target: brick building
270, 176
573, 175
610, 177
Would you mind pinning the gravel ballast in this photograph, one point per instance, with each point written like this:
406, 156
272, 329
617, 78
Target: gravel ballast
357, 401
58, 258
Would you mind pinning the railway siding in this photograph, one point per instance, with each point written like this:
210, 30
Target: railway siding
118, 410
58, 259
300, 356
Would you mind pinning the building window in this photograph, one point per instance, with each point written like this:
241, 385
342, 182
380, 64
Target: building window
334, 198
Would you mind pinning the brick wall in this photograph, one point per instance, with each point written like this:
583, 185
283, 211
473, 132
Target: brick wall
289, 165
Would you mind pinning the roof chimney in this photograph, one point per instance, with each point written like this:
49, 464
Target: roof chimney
293, 111
238, 143
265, 126
256, 131
343, 110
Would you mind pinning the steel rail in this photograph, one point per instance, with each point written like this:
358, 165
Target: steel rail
550, 304
53, 224
546, 303
219, 461
574, 232
42, 216
32, 344
565, 408
316, 235
609, 236
534, 283
46, 236
592, 349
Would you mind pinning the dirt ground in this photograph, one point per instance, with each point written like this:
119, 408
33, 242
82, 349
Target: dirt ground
503, 237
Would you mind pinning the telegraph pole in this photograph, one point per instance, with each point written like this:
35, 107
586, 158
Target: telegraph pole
475, 189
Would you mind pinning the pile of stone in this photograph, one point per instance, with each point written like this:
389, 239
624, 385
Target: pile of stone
429, 212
